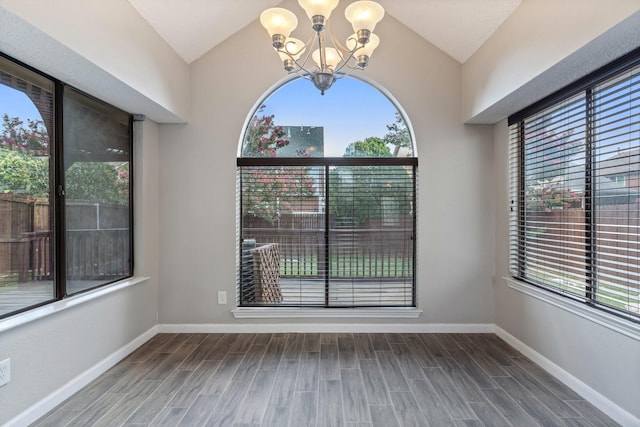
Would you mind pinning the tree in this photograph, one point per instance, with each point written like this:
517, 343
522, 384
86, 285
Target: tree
398, 135
274, 189
32, 139
361, 193
96, 182
263, 138
24, 161
23, 174
549, 154
24, 167
370, 147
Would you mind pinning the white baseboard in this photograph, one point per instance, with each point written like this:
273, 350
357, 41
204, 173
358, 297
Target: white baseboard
614, 411
57, 397
328, 328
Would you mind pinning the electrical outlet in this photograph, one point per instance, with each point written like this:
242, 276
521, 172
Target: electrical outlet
5, 372
222, 297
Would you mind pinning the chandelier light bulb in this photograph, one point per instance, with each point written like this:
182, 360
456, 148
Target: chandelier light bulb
278, 21
363, 54
332, 58
318, 7
364, 15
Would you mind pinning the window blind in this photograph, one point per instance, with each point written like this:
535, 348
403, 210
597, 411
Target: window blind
327, 233
575, 194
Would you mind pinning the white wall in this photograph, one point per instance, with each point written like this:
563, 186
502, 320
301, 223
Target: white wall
543, 46
48, 353
455, 231
102, 47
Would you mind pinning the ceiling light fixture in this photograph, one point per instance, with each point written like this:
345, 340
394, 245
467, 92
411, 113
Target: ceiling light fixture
329, 61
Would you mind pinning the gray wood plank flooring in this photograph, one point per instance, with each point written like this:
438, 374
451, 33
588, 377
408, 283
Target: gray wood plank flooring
325, 380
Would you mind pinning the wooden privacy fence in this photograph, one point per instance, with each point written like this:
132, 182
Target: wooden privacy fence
617, 240
369, 251
24, 238
97, 240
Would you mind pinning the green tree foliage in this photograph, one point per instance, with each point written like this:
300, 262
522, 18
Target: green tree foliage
23, 174
370, 147
24, 167
97, 182
363, 193
24, 164
398, 135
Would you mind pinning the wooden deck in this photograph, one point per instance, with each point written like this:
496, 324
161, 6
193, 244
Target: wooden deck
17, 296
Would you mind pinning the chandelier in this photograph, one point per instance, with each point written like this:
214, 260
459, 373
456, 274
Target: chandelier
331, 62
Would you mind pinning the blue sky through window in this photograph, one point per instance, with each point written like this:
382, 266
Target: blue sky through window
351, 110
17, 104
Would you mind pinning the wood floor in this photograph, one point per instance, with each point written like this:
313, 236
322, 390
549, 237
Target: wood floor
325, 380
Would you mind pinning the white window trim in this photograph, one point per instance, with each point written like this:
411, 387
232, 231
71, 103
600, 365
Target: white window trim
66, 303
618, 324
328, 313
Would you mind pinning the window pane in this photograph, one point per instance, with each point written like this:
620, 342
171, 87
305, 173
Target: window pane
283, 207
575, 221
553, 222
364, 258
26, 110
352, 120
97, 158
617, 170
371, 236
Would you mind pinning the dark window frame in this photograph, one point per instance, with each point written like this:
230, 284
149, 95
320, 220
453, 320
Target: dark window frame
326, 163
518, 222
57, 191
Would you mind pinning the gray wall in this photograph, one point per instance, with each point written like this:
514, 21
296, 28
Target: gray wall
603, 359
455, 262
49, 352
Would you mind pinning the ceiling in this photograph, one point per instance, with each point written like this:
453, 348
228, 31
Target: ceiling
193, 27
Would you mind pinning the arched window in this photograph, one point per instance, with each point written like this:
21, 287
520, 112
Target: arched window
327, 200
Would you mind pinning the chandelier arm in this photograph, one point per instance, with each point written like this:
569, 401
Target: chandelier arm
323, 52
343, 50
334, 41
345, 63
308, 43
295, 61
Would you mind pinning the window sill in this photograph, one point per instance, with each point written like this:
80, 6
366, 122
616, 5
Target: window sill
64, 304
602, 318
332, 313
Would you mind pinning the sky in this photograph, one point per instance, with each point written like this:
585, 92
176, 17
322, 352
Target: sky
17, 104
351, 110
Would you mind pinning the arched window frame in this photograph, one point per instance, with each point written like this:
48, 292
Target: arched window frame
258, 285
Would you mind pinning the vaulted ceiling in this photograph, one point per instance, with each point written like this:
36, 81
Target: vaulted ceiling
193, 27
